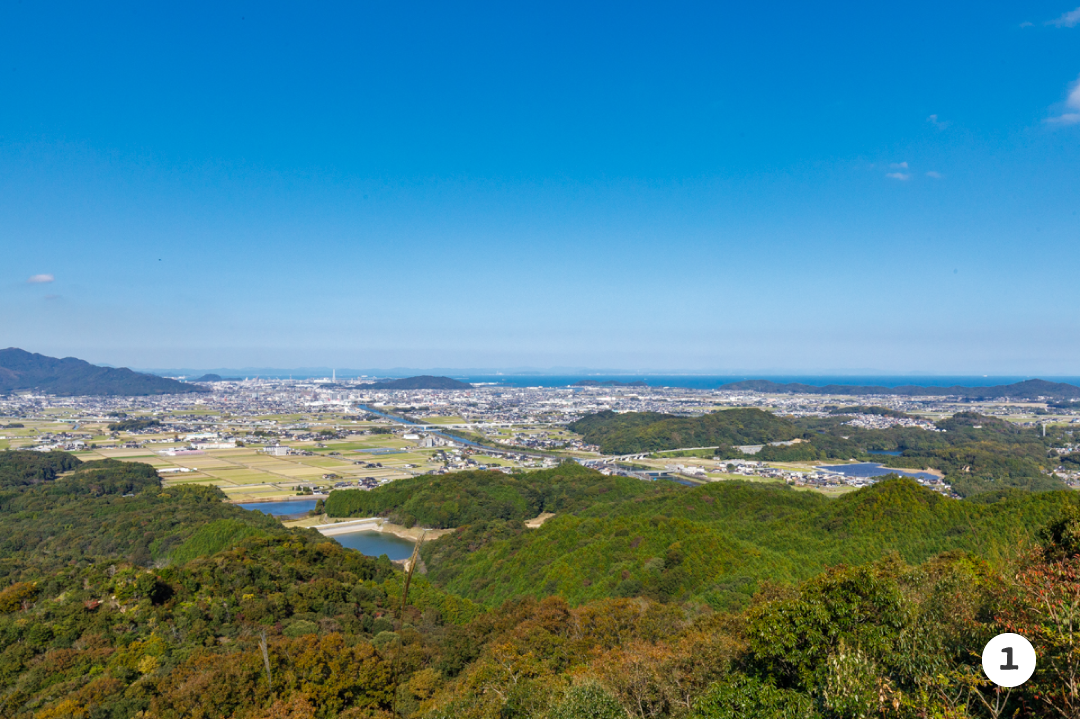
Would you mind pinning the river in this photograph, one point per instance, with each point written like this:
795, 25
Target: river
450, 437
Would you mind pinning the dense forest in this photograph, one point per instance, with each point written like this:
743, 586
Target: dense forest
975, 452
122, 599
453, 500
119, 597
720, 544
22, 468
632, 432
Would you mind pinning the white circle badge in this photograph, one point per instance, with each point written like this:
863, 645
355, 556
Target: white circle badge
1008, 660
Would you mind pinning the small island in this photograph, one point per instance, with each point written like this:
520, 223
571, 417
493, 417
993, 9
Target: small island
421, 382
209, 378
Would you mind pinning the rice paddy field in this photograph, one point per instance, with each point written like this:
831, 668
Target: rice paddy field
244, 474
248, 475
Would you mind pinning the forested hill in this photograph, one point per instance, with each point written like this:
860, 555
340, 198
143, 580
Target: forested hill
422, 382
120, 599
617, 536
21, 370
108, 508
651, 431
975, 452
211, 377
719, 542
1028, 389
20, 468
459, 498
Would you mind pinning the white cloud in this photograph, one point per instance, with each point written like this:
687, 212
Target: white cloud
1072, 102
939, 124
934, 174
899, 166
40, 279
1027, 24
898, 175
1069, 19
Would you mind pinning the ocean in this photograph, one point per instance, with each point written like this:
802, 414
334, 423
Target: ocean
690, 381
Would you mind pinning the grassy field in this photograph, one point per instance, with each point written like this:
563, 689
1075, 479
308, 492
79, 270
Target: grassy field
720, 476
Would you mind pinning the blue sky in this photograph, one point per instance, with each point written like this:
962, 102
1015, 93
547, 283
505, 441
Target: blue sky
695, 186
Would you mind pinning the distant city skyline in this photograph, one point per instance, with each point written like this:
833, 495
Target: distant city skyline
772, 190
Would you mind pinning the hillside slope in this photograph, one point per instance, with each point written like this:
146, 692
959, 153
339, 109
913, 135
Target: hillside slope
717, 543
119, 599
459, 498
21, 370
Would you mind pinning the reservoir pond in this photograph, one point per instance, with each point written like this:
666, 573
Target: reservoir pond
873, 469
375, 544
282, 509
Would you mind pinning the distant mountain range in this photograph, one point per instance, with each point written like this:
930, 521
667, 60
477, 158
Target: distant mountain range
1028, 389
26, 371
422, 382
